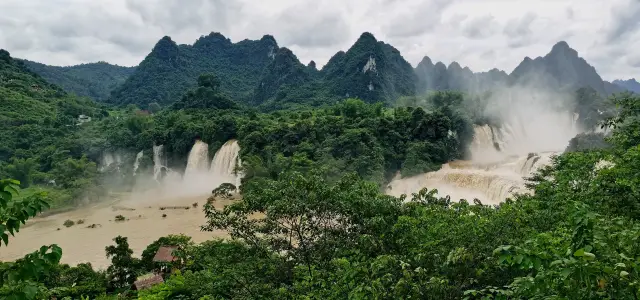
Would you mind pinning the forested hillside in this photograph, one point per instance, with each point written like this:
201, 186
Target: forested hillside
94, 80
170, 69
39, 131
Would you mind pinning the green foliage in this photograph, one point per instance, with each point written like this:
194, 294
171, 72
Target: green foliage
207, 95
94, 80
169, 71
224, 190
146, 259
40, 132
14, 213
587, 141
75, 282
19, 279
124, 267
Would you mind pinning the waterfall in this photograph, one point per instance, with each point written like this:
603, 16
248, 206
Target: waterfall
159, 161
500, 159
136, 163
109, 159
198, 161
223, 165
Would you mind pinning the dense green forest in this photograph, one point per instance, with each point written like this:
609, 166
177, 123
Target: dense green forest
94, 80
315, 168
575, 238
40, 133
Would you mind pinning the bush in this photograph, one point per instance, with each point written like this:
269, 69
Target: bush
68, 223
120, 218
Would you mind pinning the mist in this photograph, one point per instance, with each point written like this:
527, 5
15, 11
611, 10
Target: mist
531, 120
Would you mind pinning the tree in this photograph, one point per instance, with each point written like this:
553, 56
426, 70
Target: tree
124, 267
306, 218
182, 241
209, 80
19, 279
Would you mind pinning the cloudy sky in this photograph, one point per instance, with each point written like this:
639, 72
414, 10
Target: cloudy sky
481, 34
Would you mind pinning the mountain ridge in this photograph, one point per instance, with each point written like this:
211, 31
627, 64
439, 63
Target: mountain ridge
630, 84
370, 69
94, 80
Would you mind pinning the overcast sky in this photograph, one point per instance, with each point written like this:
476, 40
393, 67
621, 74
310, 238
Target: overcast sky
481, 34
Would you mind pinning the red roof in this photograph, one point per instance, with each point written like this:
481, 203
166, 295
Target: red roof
165, 254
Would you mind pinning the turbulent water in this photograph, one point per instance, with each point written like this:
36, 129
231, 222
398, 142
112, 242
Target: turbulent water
223, 165
198, 161
108, 159
136, 163
141, 207
500, 159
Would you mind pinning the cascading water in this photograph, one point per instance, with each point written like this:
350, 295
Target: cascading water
159, 163
109, 159
136, 163
198, 161
223, 165
500, 158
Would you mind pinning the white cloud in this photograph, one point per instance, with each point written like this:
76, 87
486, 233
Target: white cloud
481, 34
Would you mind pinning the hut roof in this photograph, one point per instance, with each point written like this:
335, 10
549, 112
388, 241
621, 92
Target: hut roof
147, 281
165, 254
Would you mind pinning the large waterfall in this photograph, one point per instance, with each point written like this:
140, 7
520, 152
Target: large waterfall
500, 158
198, 161
223, 165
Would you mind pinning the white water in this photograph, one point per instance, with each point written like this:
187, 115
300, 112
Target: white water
223, 165
500, 158
198, 161
136, 163
108, 159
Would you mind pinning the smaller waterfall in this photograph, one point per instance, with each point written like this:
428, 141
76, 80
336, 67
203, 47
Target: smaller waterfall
159, 162
136, 163
223, 165
198, 161
109, 159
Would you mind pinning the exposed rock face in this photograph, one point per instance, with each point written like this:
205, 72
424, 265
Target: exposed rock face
370, 70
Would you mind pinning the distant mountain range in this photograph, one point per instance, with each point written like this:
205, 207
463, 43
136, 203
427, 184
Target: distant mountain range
260, 73
94, 80
631, 85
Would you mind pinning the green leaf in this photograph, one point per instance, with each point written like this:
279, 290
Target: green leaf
30, 291
579, 253
6, 197
624, 273
565, 273
589, 256
5, 238
588, 248
621, 265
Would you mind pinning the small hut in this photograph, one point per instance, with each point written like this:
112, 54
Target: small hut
165, 257
165, 254
147, 281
